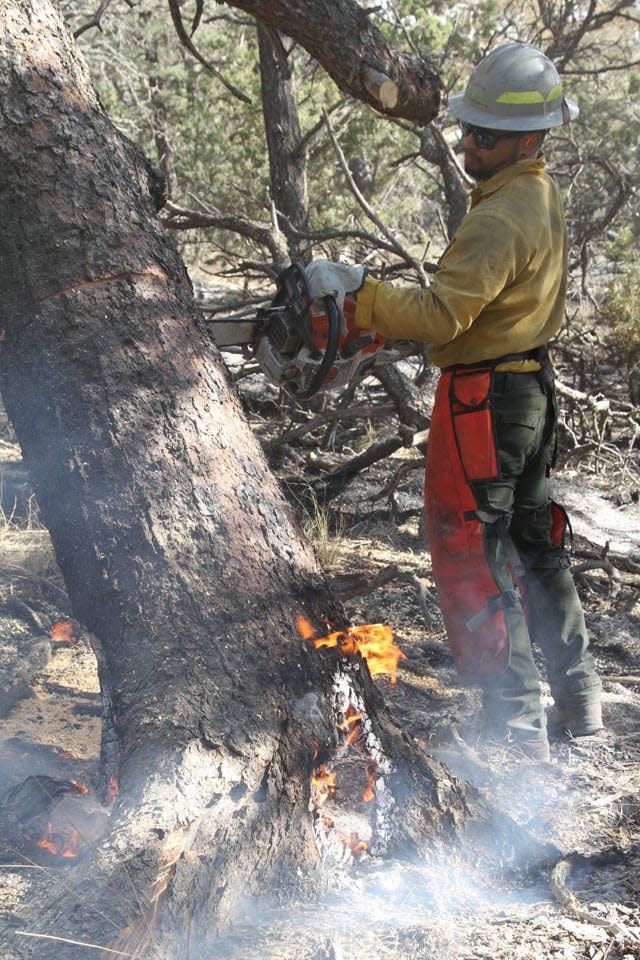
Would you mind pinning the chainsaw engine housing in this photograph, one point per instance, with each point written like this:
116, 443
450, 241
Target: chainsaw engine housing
306, 345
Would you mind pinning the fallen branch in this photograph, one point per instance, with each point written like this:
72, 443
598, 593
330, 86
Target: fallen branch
379, 450
365, 411
348, 586
602, 559
567, 899
406, 467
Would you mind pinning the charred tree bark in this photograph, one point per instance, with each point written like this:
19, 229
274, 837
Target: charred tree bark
342, 38
287, 156
178, 551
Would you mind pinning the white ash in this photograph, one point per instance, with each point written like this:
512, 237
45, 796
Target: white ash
331, 843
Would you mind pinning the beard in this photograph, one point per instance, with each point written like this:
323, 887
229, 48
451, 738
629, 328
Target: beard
481, 170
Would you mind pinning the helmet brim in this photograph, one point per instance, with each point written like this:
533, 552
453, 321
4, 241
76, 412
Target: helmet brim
464, 110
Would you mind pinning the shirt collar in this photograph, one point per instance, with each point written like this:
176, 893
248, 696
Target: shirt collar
498, 180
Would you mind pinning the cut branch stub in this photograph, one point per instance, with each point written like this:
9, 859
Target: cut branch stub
381, 87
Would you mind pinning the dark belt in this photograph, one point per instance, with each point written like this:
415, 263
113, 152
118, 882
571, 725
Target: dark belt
541, 354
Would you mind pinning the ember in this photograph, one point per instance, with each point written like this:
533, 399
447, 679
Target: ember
79, 787
65, 632
372, 776
111, 789
355, 843
324, 783
352, 721
373, 641
60, 840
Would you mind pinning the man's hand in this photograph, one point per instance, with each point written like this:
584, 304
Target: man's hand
328, 279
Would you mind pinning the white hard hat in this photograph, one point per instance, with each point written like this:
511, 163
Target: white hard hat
515, 87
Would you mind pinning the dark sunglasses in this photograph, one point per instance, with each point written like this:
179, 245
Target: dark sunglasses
484, 139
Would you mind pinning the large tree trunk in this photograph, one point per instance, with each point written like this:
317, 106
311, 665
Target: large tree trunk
177, 548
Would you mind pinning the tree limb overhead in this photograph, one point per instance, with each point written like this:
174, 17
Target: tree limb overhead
344, 41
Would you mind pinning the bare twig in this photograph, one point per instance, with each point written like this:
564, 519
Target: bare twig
349, 586
75, 943
568, 900
368, 209
95, 21
186, 41
389, 488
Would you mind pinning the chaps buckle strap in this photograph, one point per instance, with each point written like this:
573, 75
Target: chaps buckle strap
509, 598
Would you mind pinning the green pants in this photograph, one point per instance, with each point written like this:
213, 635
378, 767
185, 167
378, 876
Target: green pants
551, 614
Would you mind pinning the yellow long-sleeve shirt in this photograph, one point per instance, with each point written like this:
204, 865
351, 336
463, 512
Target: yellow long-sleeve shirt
501, 283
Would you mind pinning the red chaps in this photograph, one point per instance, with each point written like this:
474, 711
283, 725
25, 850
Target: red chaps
461, 450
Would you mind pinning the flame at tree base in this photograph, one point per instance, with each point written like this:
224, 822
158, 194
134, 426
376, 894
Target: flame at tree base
374, 642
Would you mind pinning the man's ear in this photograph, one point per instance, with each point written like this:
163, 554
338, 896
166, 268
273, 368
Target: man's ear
531, 143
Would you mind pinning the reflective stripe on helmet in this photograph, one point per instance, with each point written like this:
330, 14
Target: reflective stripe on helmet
529, 96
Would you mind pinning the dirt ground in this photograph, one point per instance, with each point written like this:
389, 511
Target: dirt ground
586, 801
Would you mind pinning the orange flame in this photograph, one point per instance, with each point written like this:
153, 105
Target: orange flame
111, 790
60, 846
351, 720
355, 843
350, 840
373, 641
65, 632
372, 775
324, 783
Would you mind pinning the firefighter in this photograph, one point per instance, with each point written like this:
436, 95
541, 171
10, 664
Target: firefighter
495, 537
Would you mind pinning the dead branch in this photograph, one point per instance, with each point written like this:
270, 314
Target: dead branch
603, 426
412, 406
567, 899
343, 39
596, 403
182, 218
435, 149
368, 209
186, 42
416, 464
348, 586
95, 21
599, 557
364, 411
327, 490
19, 608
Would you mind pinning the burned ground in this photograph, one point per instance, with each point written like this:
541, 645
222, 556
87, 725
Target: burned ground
581, 903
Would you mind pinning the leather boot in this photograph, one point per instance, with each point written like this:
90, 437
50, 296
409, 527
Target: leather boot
577, 715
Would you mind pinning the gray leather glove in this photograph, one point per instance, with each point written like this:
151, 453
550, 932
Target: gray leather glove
329, 279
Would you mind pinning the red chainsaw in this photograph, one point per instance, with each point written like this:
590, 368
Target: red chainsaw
305, 345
